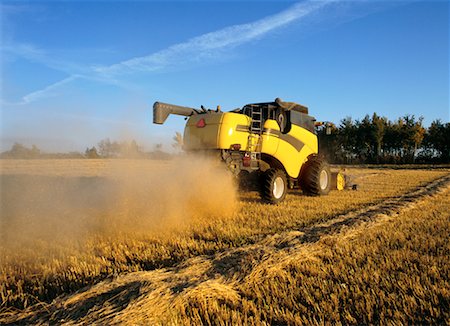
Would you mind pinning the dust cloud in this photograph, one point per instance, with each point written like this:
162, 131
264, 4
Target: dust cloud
123, 196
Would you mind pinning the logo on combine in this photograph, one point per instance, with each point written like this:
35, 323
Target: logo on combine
201, 123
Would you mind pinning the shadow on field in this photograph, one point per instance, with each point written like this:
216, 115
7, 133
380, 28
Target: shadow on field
108, 303
237, 263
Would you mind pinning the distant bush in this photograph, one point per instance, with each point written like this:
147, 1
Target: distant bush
105, 149
20, 151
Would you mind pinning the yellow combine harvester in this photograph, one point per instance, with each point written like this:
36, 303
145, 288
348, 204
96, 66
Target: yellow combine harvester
274, 143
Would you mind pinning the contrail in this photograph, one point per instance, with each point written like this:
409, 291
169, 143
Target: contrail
196, 49
203, 45
31, 97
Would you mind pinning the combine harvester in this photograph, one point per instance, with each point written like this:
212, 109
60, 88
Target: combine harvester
274, 143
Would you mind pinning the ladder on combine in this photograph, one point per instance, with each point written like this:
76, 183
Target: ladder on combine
255, 137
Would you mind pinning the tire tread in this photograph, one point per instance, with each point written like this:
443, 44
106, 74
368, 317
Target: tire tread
266, 186
310, 179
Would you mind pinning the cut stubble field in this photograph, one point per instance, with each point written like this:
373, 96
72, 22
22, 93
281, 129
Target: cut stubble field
141, 241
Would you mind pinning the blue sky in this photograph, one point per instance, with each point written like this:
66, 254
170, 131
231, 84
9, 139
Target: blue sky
74, 73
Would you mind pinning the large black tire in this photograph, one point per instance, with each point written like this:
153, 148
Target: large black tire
316, 177
273, 186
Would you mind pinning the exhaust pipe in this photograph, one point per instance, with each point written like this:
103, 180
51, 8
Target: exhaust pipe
162, 110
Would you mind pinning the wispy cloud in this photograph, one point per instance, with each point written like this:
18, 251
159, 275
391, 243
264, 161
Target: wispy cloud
206, 45
196, 49
47, 91
34, 54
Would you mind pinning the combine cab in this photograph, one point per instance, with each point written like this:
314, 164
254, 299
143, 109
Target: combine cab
274, 143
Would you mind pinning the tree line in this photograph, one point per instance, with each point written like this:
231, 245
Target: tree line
104, 149
372, 140
376, 140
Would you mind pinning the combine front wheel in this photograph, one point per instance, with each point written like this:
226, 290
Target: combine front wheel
274, 186
316, 177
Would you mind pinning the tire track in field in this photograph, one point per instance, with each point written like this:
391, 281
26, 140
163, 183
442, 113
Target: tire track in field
241, 260
388, 207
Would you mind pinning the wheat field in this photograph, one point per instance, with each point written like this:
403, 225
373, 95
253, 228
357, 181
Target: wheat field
173, 242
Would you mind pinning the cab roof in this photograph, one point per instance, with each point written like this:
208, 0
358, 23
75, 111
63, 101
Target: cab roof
288, 106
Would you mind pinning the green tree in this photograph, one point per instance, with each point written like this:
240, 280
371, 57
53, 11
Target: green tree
412, 134
347, 139
365, 143
329, 144
20, 151
91, 153
378, 130
437, 139
105, 148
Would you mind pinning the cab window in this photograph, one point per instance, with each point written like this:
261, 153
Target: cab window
284, 120
302, 120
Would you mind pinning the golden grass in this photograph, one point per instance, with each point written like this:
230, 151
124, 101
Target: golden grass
280, 290
395, 272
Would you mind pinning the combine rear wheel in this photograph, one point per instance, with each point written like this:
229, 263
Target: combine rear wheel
316, 177
274, 186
